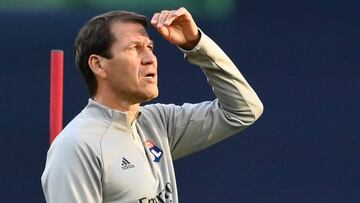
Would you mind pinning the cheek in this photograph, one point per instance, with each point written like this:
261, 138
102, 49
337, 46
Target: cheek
125, 69
130, 73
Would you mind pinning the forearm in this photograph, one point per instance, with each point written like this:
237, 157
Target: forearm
235, 95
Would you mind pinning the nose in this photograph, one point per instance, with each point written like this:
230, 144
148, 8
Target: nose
148, 58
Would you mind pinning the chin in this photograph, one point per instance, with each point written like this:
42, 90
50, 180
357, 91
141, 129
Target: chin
150, 96
156, 94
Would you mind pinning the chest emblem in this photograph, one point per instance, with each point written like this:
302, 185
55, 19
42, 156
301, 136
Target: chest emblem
125, 164
154, 150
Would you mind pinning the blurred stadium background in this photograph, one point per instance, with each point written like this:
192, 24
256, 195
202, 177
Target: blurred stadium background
302, 58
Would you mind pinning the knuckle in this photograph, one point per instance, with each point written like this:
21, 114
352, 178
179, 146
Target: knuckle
164, 11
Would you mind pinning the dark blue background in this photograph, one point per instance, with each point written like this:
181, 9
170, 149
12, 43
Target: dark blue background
302, 58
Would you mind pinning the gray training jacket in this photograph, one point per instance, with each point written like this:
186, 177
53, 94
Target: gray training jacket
101, 158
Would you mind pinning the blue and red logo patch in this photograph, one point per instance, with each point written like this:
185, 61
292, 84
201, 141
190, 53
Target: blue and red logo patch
154, 150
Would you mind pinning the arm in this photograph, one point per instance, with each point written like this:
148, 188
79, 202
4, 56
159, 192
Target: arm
193, 127
72, 173
234, 93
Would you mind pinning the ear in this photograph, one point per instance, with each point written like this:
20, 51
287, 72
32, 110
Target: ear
96, 64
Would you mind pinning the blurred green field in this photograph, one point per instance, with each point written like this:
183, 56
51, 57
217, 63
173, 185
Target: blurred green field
206, 8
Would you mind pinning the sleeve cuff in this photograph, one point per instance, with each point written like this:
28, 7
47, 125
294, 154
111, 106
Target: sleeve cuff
197, 46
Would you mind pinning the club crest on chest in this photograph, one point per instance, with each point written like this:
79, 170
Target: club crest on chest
154, 150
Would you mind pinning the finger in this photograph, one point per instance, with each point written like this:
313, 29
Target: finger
179, 13
162, 18
170, 18
155, 19
182, 11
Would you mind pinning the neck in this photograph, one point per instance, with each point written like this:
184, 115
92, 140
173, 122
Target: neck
119, 105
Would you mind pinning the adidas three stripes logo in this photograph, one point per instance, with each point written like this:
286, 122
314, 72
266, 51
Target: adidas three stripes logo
125, 164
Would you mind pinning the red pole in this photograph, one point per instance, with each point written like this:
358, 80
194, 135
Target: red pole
56, 93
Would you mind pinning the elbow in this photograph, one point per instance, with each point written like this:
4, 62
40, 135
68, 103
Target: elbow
246, 118
254, 112
257, 110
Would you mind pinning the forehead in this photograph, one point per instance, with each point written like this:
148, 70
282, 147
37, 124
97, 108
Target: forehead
124, 31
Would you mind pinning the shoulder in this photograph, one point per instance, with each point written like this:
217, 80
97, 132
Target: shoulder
157, 108
80, 135
157, 114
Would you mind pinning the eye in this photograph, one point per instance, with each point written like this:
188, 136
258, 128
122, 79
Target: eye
134, 47
150, 47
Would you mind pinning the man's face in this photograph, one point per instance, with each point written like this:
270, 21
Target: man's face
132, 71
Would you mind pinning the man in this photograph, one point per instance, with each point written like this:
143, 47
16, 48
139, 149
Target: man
117, 151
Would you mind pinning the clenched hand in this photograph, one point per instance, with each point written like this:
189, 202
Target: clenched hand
178, 27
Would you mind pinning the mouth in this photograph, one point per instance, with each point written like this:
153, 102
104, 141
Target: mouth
150, 75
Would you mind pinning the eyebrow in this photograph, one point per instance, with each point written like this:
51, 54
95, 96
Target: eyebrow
140, 43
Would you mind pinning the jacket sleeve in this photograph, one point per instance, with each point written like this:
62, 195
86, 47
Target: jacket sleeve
193, 127
61, 179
